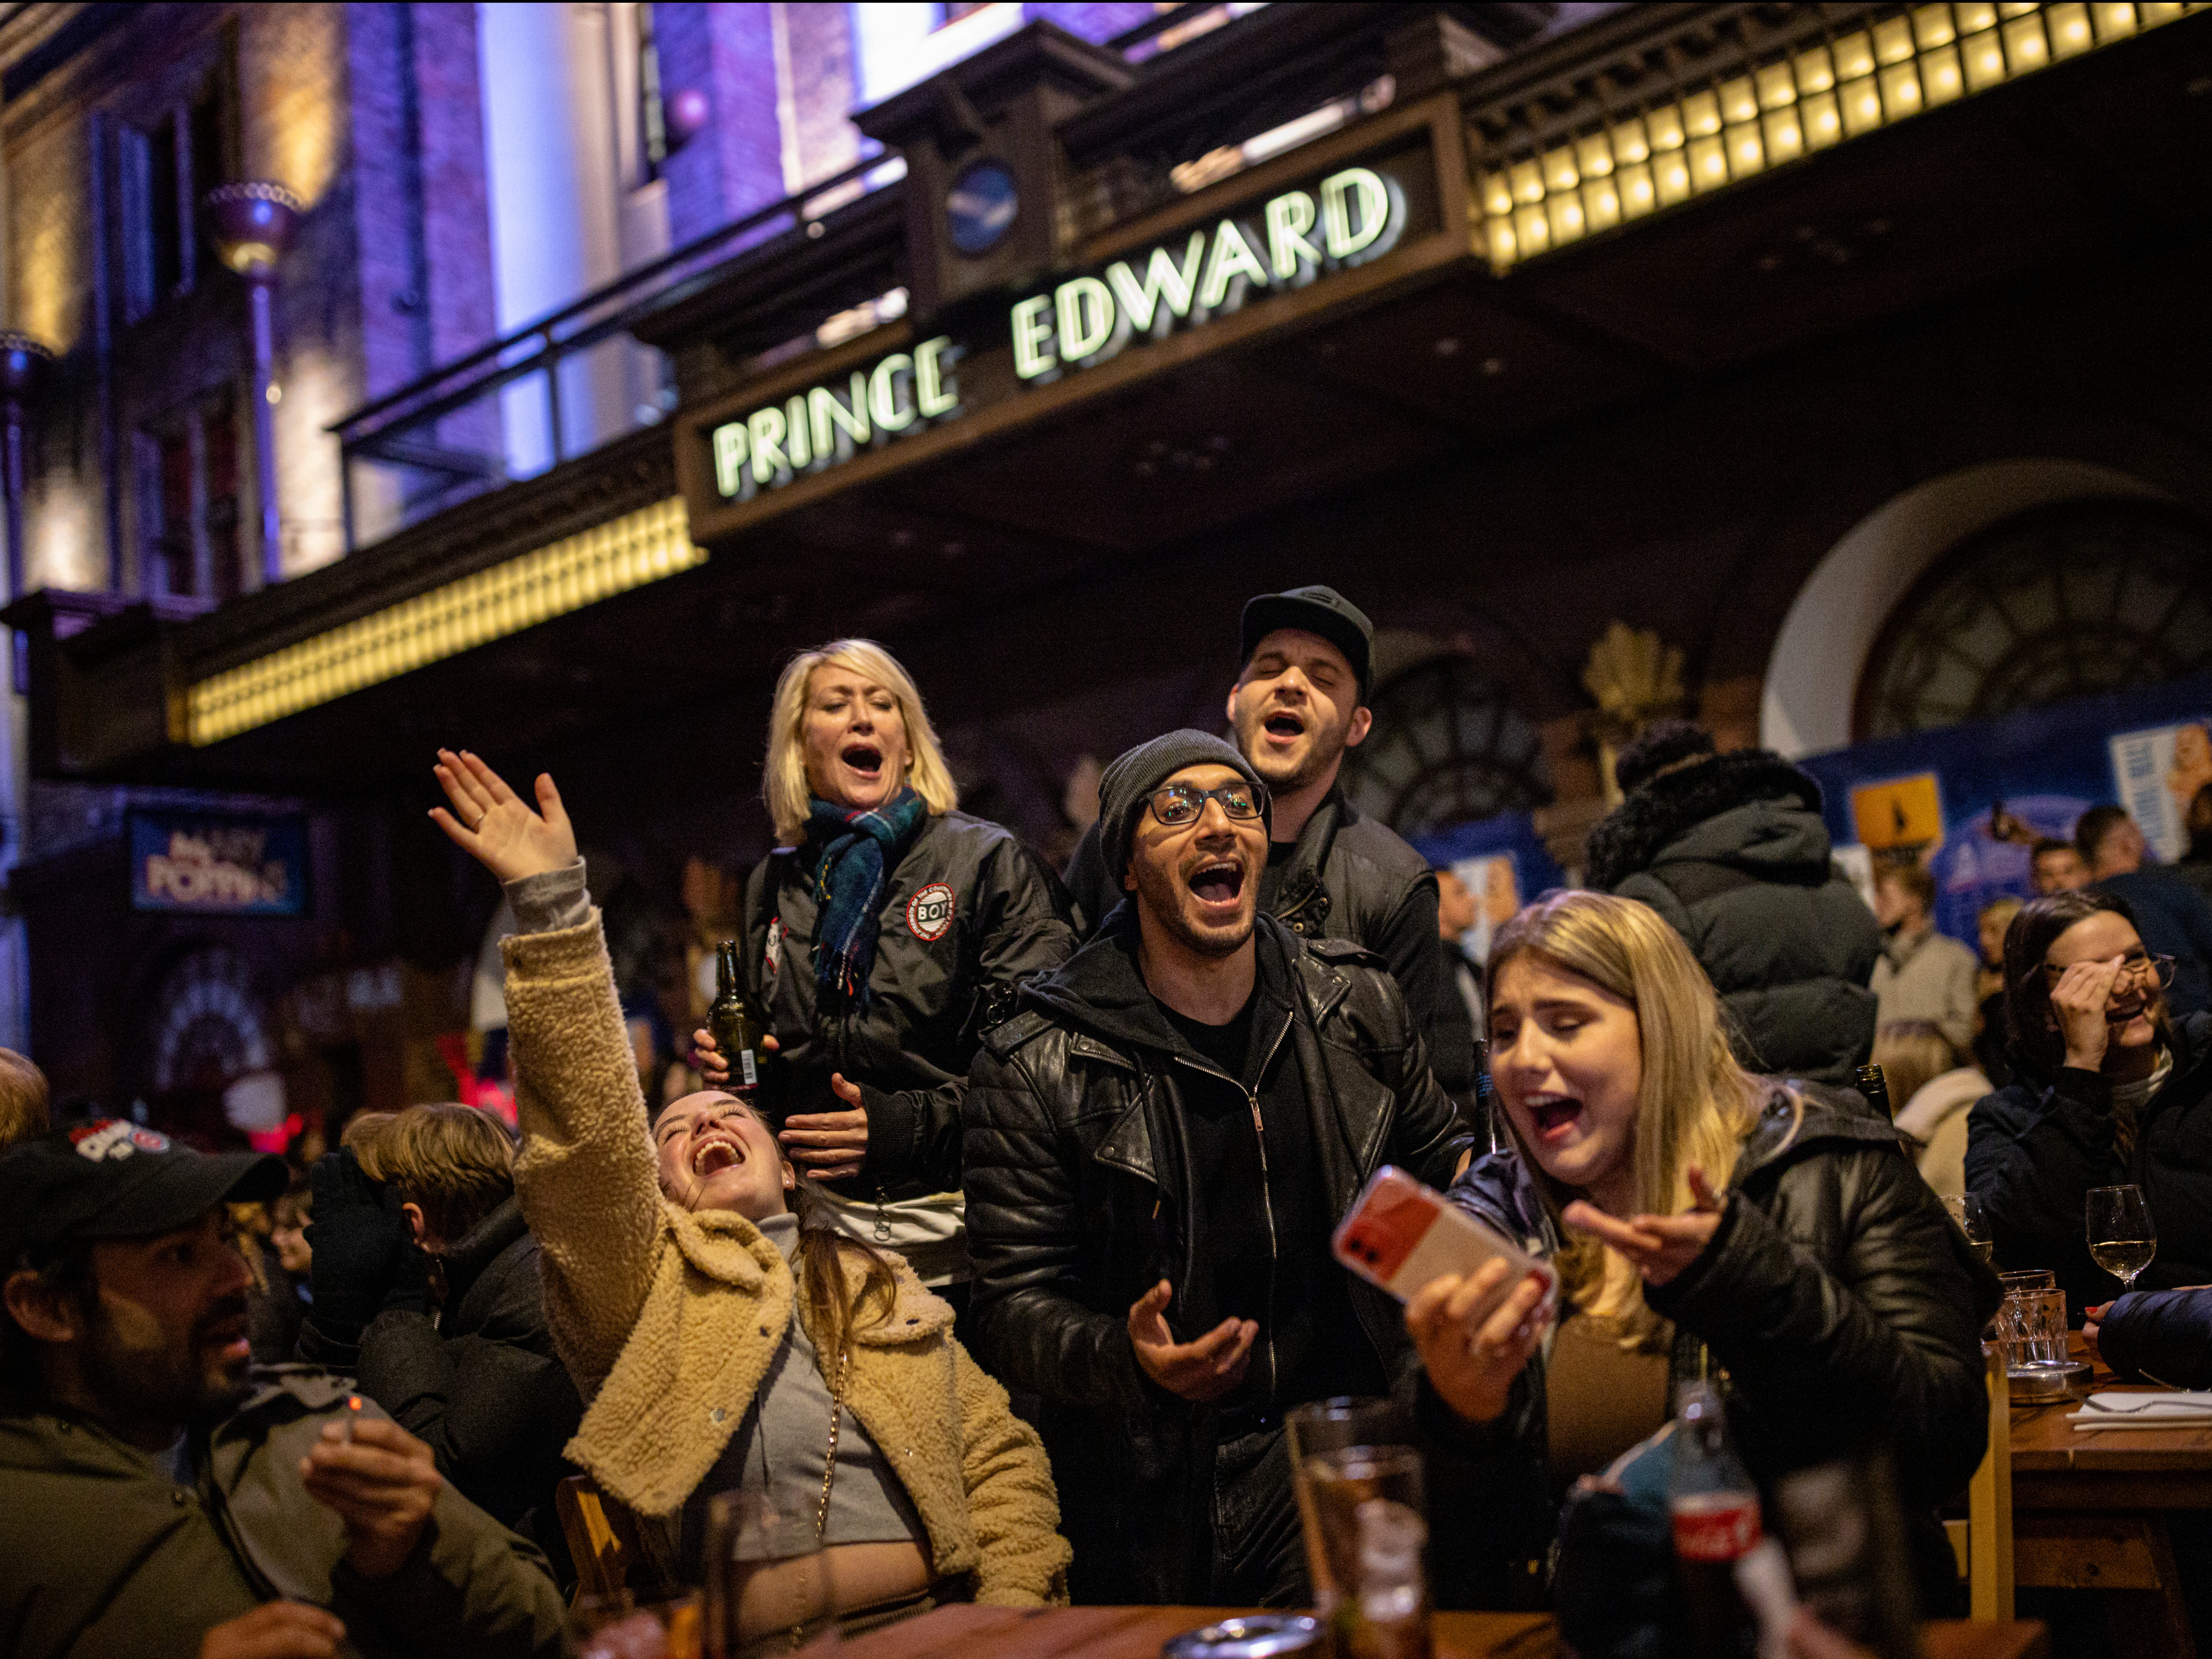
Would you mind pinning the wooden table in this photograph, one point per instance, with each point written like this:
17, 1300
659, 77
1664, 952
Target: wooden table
2090, 1509
970, 1633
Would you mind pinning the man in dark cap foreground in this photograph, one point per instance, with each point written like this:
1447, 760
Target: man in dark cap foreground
1300, 700
1157, 1148
163, 1499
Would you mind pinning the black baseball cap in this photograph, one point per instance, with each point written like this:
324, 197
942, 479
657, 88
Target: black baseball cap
110, 1178
1322, 611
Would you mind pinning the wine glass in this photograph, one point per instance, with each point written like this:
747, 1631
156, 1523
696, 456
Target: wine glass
1965, 1209
2122, 1240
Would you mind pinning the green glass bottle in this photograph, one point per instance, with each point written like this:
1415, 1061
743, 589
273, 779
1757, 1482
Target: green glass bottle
739, 1031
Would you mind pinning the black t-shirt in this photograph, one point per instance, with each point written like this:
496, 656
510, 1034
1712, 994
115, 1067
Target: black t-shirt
1284, 1276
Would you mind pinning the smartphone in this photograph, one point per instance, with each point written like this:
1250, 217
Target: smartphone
1402, 1234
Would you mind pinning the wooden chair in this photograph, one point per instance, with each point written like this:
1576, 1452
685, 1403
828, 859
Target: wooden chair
1982, 1541
601, 1534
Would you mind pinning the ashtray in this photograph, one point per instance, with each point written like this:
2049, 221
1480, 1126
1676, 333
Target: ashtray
2066, 1380
1251, 1635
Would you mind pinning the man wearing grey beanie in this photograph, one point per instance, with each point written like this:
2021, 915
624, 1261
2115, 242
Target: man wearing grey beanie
1158, 1146
1299, 703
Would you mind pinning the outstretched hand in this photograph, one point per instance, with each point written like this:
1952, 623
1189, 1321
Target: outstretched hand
1198, 1371
1659, 1247
495, 826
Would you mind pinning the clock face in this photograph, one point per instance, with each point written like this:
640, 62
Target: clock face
980, 208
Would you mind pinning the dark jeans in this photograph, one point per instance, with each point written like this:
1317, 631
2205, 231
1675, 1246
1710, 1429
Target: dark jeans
1258, 1556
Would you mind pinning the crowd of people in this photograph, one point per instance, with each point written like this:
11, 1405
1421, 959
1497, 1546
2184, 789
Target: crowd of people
1002, 1278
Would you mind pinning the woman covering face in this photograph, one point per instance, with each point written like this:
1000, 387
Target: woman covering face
881, 937
1702, 1220
2110, 1090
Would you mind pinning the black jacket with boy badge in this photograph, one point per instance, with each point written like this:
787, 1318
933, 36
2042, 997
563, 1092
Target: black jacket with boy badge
966, 915
1078, 1204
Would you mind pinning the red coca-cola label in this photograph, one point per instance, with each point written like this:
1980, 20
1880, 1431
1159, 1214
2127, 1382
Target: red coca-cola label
1716, 1527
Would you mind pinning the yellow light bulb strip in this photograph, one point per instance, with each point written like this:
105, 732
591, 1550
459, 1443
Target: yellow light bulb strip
640, 547
1807, 98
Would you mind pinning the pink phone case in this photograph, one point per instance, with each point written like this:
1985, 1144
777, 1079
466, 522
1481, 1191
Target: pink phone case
1402, 1234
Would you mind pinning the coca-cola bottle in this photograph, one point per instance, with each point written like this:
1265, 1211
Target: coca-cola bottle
1714, 1509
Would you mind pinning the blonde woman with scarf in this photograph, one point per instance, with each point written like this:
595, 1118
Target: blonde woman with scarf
722, 1342
883, 934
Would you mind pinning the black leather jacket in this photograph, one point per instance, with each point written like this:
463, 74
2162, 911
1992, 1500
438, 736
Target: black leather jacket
1077, 1206
967, 912
1843, 1306
1349, 877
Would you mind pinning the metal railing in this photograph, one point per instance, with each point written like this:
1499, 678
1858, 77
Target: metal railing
446, 439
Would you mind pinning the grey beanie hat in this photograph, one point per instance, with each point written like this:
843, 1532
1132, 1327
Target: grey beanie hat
1127, 784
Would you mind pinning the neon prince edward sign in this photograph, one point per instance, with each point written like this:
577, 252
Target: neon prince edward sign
1351, 218
823, 424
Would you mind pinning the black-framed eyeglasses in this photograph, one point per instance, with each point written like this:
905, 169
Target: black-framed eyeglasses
2138, 962
1178, 804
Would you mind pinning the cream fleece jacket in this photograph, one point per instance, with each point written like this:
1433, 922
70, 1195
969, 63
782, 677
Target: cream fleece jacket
668, 1319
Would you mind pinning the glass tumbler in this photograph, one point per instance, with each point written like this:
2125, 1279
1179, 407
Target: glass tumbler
1333, 1425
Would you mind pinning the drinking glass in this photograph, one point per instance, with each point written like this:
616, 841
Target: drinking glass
1338, 1484
2028, 1279
2032, 1324
1966, 1210
625, 1627
768, 1584
2122, 1240
1333, 1425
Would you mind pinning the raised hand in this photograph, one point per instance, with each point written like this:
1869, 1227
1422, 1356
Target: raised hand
1659, 1247
495, 826
382, 1483
2078, 1002
276, 1630
1198, 1372
1472, 1366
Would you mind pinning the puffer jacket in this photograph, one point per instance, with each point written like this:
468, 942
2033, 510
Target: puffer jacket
1733, 853
966, 915
2035, 1147
1843, 1306
110, 1551
481, 1385
1348, 877
2161, 1336
668, 1319
1078, 1205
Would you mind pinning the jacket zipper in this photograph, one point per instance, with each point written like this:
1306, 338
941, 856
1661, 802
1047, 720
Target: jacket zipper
1266, 1192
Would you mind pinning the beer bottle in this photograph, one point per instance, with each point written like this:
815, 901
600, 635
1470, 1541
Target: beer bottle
739, 1032
1874, 1084
1714, 1508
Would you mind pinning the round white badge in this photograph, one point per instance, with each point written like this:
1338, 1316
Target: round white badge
929, 913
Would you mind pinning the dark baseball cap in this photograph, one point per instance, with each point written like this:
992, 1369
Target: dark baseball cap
110, 1178
1322, 611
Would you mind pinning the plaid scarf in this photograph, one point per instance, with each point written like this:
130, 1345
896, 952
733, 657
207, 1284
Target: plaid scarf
852, 871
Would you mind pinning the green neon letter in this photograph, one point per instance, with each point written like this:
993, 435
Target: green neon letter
824, 411
1344, 241
766, 428
730, 458
1033, 352
1085, 308
883, 393
1290, 216
1163, 280
1231, 254
796, 439
934, 392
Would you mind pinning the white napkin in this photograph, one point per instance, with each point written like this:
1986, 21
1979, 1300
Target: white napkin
2113, 1409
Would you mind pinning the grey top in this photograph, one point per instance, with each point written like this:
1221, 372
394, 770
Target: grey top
780, 1450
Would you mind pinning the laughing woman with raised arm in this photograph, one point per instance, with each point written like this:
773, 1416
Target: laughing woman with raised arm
1702, 1221
719, 1340
882, 936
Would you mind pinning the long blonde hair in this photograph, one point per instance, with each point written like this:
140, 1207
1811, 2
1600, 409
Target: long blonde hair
1695, 1103
783, 779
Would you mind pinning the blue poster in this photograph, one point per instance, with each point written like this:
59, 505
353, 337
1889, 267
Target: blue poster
1505, 863
1969, 800
218, 863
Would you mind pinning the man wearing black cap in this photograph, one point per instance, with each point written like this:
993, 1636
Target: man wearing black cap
1157, 1148
160, 1500
1299, 703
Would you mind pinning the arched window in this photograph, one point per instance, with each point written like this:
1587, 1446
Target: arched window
1446, 749
2063, 601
